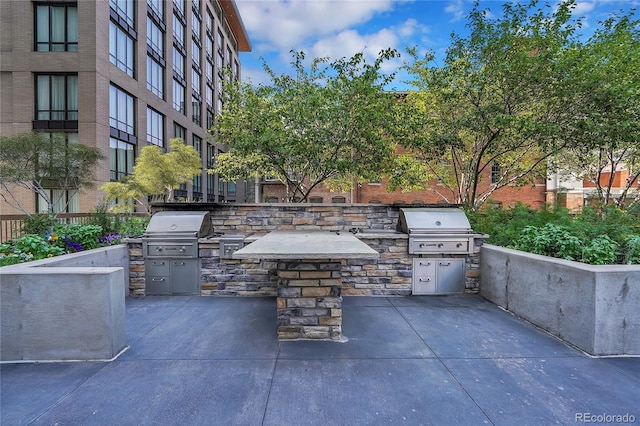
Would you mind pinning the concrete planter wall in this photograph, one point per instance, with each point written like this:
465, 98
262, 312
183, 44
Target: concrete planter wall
70, 307
595, 308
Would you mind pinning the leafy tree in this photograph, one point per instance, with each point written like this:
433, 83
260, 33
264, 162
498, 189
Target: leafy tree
326, 124
605, 108
39, 163
491, 103
156, 174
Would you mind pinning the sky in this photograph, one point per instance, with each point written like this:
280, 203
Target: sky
341, 28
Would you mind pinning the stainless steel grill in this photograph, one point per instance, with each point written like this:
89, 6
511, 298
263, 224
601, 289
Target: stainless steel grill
436, 235
170, 248
434, 230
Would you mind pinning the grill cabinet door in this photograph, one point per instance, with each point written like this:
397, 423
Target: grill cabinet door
185, 276
450, 276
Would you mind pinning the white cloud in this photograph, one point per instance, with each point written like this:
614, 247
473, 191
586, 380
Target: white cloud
285, 25
457, 9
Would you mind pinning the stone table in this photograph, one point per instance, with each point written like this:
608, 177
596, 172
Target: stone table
309, 302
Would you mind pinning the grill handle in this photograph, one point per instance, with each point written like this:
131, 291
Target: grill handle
439, 245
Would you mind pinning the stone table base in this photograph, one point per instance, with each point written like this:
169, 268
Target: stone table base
309, 300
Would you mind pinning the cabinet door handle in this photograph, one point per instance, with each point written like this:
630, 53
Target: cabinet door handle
157, 279
427, 280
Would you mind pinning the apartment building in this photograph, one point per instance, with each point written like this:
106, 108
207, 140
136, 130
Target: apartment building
119, 75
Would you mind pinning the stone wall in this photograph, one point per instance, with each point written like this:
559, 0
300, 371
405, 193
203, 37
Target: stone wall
389, 275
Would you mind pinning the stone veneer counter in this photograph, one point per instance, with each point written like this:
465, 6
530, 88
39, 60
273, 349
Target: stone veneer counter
309, 300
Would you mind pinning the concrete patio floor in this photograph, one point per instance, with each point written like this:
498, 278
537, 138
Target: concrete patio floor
409, 360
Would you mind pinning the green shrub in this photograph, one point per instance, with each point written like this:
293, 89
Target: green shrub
26, 248
78, 237
632, 250
38, 224
101, 216
550, 240
595, 235
133, 226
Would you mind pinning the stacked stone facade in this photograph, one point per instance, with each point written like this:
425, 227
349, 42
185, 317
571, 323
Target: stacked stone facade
388, 275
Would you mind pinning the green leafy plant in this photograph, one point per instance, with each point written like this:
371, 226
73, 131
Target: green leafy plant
596, 235
102, 217
133, 226
632, 250
26, 248
78, 237
38, 224
600, 251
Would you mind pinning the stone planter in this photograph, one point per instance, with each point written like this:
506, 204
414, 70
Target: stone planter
595, 308
69, 307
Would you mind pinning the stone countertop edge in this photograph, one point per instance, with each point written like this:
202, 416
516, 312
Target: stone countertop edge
294, 245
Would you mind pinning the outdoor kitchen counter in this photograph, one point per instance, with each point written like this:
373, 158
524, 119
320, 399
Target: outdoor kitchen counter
307, 245
309, 302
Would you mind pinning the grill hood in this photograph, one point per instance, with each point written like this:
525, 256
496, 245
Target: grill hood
180, 223
434, 220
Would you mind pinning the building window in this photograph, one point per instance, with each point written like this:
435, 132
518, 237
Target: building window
56, 97
155, 37
208, 94
197, 180
157, 6
208, 69
220, 61
178, 96
496, 172
179, 6
63, 201
121, 159
155, 77
196, 81
196, 25
178, 30
178, 62
196, 53
124, 8
236, 70
210, 116
56, 28
338, 200
121, 110
208, 46
196, 108
208, 21
121, 47
155, 127
179, 132
231, 189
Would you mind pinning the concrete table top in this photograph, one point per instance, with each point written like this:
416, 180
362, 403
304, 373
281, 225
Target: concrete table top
306, 245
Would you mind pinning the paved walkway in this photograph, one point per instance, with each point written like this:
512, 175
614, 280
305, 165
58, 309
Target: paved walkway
408, 361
